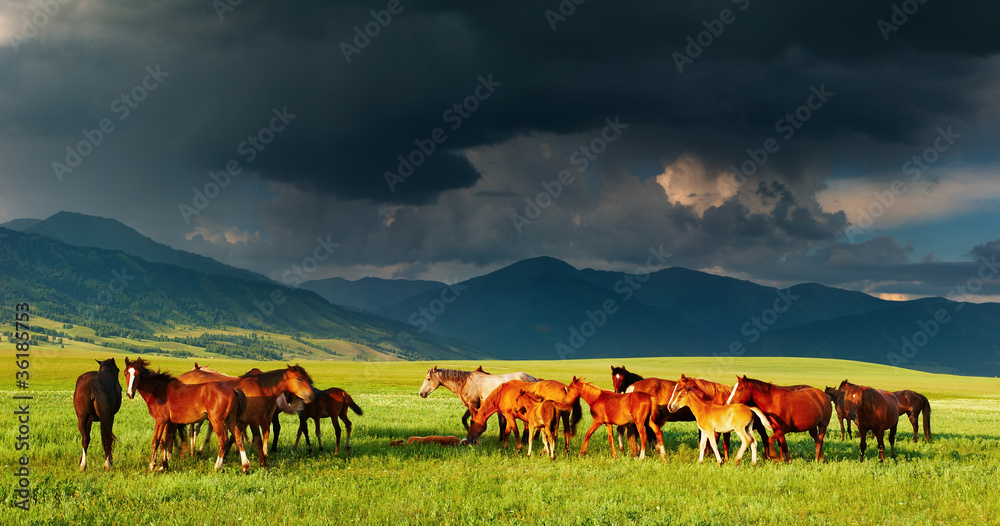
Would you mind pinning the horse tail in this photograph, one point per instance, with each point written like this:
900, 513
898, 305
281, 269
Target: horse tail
927, 418
574, 417
241, 403
353, 405
763, 419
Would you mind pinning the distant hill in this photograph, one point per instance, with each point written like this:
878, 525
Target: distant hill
531, 308
20, 224
90, 231
368, 293
119, 294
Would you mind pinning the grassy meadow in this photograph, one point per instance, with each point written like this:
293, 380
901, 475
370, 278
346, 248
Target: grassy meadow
951, 480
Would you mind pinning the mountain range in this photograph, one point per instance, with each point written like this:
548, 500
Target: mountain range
540, 308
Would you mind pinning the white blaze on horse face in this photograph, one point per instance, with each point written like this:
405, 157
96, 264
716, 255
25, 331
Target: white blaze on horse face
671, 401
732, 394
131, 374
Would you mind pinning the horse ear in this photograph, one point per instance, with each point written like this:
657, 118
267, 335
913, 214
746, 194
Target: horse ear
683, 377
435, 368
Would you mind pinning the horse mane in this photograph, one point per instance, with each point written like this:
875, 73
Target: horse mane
711, 389
868, 398
208, 370
454, 374
845, 384
587, 385
491, 404
757, 385
158, 375
268, 379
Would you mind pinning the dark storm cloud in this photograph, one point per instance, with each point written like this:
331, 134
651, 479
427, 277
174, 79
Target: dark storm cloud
603, 60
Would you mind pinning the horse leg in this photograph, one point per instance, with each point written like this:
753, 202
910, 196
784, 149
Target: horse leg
745, 441
776, 437
880, 438
336, 431
84, 424
753, 442
611, 440
849, 435
842, 428
702, 444
276, 425
465, 419
157, 434
659, 436
107, 438
640, 426
319, 439
632, 437
586, 437
864, 441
892, 441
914, 421
531, 439
259, 444
725, 444
762, 431
347, 426
715, 449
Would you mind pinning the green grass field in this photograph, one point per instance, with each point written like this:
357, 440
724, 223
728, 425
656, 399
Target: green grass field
951, 480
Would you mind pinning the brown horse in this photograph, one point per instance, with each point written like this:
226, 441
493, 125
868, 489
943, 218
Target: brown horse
716, 418
873, 410
608, 408
97, 398
331, 403
172, 403
625, 381
471, 387
503, 401
540, 414
837, 397
795, 409
912, 404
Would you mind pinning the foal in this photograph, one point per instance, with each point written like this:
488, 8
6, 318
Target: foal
543, 414
332, 403
716, 418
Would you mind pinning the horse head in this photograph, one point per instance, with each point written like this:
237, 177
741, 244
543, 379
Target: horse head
741, 394
852, 400
618, 375
133, 372
431, 382
107, 365
299, 383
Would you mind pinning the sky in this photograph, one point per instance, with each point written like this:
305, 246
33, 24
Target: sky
847, 143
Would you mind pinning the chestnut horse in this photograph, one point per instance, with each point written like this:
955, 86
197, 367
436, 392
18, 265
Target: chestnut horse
331, 403
911, 404
608, 408
625, 381
503, 401
97, 398
716, 418
172, 403
788, 409
262, 389
540, 414
874, 410
837, 397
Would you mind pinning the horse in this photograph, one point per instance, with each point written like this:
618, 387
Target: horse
608, 408
714, 418
503, 401
471, 387
199, 375
837, 397
873, 410
263, 391
172, 403
911, 404
540, 414
333, 403
625, 381
788, 409
97, 398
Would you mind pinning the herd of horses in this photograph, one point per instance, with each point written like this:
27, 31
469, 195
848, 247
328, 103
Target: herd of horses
638, 407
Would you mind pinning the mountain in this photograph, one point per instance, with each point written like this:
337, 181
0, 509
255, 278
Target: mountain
90, 231
368, 293
20, 224
543, 308
119, 294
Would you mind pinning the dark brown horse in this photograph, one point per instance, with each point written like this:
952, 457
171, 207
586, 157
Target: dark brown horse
97, 398
873, 410
503, 401
172, 403
789, 409
331, 403
912, 404
837, 397
608, 408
